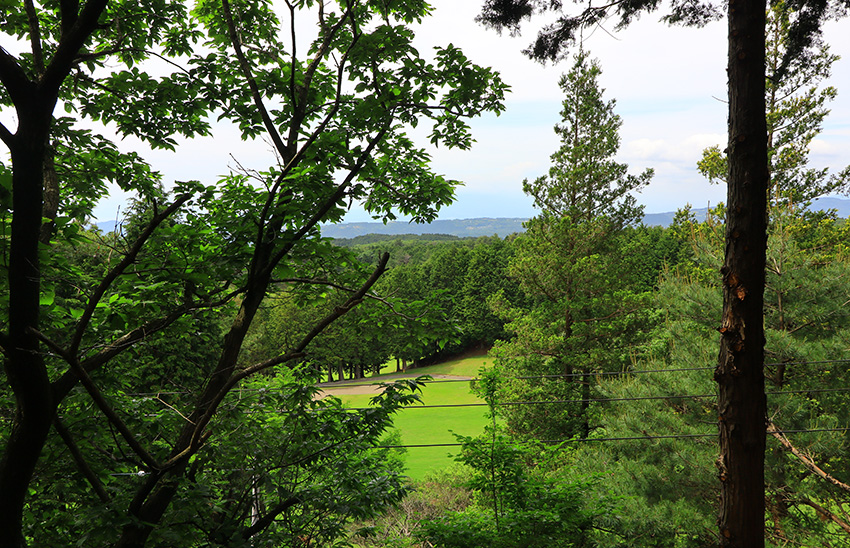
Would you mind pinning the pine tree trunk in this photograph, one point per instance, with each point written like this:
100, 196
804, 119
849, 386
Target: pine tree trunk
740, 369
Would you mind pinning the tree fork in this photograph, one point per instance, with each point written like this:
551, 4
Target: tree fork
740, 369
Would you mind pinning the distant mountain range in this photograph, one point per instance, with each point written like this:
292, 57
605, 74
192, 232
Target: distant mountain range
486, 226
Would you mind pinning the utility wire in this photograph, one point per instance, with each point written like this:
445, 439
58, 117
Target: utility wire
345, 384
143, 473
625, 438
604, 400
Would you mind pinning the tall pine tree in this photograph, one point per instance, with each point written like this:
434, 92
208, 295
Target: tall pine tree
579, 321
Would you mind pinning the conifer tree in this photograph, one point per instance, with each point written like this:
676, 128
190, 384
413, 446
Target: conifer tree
796, 104
585, 181
565, 266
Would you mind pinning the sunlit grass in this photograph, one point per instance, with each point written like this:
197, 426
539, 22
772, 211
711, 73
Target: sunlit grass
430, 426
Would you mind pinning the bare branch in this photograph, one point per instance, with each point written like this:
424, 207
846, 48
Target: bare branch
806, 460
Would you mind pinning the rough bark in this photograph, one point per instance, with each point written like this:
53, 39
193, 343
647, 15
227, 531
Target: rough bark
740, 369
50, 193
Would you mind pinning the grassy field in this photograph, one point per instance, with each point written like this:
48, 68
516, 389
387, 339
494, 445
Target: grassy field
430, 426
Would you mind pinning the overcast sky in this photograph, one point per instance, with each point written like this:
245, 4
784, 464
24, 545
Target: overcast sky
670, 88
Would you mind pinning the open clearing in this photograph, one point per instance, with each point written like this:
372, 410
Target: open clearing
428, 426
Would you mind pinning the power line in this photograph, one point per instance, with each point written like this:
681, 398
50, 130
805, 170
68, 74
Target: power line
344, 384
142, 473
625, 438
604, 400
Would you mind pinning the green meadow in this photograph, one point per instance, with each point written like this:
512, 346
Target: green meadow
435, 425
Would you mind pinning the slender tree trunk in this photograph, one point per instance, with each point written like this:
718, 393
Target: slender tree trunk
24, 364
740, 369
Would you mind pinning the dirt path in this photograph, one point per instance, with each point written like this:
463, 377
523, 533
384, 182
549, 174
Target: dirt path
361, 386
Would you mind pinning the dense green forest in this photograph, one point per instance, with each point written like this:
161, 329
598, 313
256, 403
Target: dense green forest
161, 381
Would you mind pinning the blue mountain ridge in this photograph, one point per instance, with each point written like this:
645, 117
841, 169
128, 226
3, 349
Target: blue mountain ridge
488, 226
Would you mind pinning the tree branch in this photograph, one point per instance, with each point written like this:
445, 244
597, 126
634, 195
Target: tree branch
300, 105
104, 53
807, 461
69, 10
6, 136
110, 277
338, 195
80, 460
198, 434
71, 43
35, 37
14, 79
63, 384
823, 512
296, 158
269, 518
328, 283
252, 83
99, 400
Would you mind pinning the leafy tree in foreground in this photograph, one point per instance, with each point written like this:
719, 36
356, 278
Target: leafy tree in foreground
333, 113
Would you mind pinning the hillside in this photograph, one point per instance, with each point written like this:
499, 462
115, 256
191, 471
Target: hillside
483, 226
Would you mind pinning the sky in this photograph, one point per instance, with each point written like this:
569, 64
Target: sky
669, 84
